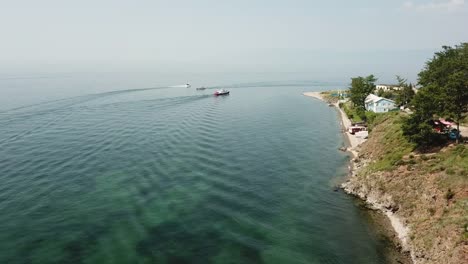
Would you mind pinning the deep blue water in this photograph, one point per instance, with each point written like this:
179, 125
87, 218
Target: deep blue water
175, 175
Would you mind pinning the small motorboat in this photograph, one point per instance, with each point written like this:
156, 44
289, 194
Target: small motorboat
221, 92
201, 88
188, 85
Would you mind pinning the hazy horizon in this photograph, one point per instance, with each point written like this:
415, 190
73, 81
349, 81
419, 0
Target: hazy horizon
324, 40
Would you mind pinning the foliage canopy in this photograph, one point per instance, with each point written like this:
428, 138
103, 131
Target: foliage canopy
444, 93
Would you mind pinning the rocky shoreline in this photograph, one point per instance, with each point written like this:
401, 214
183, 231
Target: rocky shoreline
373, 199
376, 200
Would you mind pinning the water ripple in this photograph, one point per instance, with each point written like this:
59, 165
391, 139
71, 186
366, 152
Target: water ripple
165, 176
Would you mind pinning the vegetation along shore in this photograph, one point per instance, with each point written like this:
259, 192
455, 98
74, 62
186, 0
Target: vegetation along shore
413, 166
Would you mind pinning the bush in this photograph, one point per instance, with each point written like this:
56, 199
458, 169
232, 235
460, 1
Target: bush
449, 194
370, 117
431, 211
361, 113
419, 132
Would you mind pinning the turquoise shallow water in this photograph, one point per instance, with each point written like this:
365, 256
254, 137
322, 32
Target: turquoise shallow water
174, 175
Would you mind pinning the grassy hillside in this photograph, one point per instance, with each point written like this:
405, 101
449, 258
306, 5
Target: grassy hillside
429, 191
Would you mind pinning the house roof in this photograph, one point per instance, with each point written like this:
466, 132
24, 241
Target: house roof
374, 98
385, 99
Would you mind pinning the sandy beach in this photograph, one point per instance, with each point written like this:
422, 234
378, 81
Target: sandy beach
353, 141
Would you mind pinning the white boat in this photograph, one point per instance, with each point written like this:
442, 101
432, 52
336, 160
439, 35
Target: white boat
188, 85
221, 92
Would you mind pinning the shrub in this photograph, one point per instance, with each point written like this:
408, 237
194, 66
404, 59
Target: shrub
449, 194
431, 211
361, 113
370, 117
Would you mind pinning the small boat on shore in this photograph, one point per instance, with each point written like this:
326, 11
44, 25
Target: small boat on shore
221, 92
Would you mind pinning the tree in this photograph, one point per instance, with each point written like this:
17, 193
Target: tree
405, 94
446, 75
444, 93
417, 127
380, 92
418, 130
388, 94
360, 88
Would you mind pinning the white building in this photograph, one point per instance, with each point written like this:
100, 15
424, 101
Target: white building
388, 87
379, 104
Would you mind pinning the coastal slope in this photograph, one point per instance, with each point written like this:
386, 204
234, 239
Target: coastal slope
425, 195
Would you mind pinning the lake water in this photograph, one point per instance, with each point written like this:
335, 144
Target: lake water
175, 175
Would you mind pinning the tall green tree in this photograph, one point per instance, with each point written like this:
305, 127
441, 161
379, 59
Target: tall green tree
405, 94
446, 76
360, 88
444, 92
418, 130
417, 126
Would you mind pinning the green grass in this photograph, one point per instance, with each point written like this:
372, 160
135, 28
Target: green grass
355, 116
351, 112
455, 164
392, 140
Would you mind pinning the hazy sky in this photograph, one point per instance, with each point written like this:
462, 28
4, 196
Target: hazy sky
325, 37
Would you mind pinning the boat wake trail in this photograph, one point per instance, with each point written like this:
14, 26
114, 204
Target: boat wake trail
36, 118
78, 99
179, 86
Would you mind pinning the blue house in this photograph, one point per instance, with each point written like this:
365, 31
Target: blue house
378, 104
